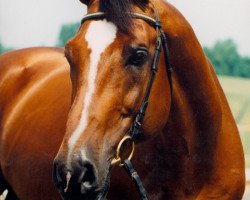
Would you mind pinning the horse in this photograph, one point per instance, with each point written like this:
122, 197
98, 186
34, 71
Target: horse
77, 106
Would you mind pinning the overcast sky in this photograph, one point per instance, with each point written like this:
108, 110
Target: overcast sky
25, 23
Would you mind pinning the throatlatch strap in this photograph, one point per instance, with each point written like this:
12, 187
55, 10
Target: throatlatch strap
136, 179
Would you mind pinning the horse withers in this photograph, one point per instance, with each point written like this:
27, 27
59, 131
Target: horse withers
189, 147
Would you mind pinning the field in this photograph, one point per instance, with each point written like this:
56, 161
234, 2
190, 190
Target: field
238, 93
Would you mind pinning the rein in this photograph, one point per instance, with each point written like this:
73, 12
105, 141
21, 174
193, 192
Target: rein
135, 129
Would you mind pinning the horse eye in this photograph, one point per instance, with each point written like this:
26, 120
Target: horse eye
138, 57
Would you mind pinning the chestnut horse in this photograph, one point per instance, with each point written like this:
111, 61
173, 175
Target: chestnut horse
189, 147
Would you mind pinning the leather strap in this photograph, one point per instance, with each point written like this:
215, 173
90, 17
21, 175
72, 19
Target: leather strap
101, 15
136, 179
161, 41
135, 129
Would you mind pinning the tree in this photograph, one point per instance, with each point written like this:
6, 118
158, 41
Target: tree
226, 59
3, 49
67, 31
244, 67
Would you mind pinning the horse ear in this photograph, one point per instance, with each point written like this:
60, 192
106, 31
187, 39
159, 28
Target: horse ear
86, 2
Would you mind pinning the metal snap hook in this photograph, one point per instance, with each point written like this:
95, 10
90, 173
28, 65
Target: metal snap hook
117, 159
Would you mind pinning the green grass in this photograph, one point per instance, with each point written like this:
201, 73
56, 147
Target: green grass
237, 91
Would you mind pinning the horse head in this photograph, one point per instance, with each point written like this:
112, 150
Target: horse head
110, 65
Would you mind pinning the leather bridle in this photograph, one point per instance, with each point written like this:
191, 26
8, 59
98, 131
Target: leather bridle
135, 129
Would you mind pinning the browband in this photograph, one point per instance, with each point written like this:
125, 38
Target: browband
102, 15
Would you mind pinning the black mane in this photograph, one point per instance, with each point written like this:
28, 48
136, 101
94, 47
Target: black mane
117, 11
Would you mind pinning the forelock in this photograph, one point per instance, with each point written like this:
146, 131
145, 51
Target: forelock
117, 11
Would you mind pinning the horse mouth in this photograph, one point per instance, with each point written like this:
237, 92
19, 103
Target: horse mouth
74, 192
95, 195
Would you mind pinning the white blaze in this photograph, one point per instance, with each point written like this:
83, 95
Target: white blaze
99, 36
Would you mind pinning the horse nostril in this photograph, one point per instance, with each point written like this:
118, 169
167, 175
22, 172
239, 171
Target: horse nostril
58, 176
87, 179
80, 180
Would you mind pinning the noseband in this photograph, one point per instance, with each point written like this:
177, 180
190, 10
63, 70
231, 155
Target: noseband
135, 129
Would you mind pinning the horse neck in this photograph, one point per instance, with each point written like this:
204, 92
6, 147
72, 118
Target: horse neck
196, 102
189, 136
185, 146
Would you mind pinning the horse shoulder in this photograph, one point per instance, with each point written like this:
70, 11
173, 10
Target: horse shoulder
35, 95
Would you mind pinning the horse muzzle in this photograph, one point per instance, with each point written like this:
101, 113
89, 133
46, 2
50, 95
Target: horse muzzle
78, 181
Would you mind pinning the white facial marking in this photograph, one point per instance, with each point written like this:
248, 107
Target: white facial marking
99, 36
68, 177
83, 154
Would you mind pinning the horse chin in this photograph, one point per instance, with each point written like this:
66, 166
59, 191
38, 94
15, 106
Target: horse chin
97, 194
104, 189
93, 196
83, 197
